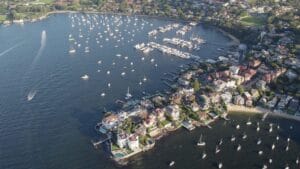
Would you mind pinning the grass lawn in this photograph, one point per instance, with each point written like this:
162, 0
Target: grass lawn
2, 18
252, 21
47, 1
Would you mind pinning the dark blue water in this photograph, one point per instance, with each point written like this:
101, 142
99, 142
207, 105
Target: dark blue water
55, 128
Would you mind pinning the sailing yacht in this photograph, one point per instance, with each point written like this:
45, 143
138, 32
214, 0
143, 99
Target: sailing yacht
128, 95
239, 148
249, 122
221, 142
297, 160
271, 129
244, 136
200, 142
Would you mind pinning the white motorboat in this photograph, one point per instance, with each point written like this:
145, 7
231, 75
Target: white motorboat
172, 163
144, 79
273, 146
31, 95
85, 77
220, 165
244, 136
204, 155
270, 160
232, 138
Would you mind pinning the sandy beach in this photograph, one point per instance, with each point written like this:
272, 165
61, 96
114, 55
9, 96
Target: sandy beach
259, 110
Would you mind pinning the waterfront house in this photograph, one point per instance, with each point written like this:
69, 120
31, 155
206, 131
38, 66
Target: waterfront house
284, 100
176, 98
147, 104
122, 140
219, 85
173, 111
261, 85
122, 115
238, 79
160, 114
226, 97
194, 106
186, 91
133, 142
183, 82
293, 105
254, 63
150, 121
110, 121
214, 98
271, 104
255, 94
238, 100
205, 103
141, 130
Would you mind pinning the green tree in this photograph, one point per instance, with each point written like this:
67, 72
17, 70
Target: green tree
196, 85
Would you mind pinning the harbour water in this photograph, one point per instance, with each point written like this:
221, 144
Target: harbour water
48, 112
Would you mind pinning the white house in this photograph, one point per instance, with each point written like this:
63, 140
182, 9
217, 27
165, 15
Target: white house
121, 140
133, 142
173, 111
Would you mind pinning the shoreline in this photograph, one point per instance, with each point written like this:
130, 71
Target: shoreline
260, 110
45, 16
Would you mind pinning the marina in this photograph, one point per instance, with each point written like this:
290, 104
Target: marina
69, 89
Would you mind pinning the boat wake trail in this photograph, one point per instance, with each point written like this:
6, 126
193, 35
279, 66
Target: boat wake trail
43, 45
32, 91
10, 49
